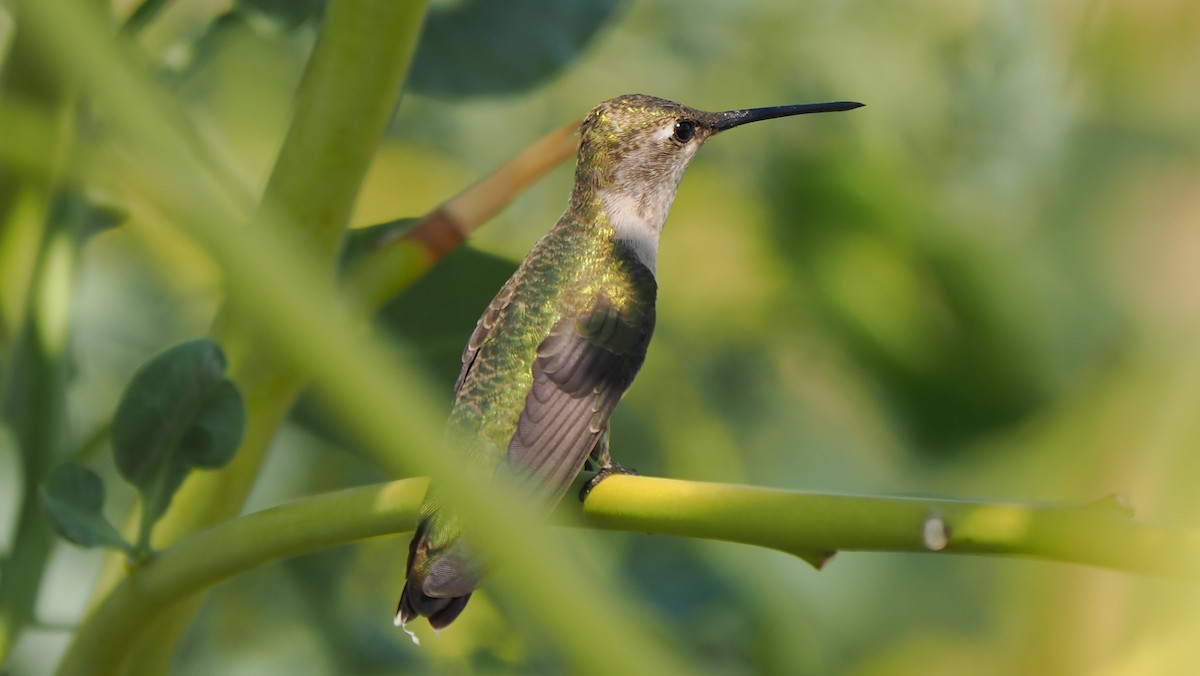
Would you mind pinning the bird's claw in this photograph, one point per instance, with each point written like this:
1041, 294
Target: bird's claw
601, 475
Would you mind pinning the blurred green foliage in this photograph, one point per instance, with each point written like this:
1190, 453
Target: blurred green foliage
981, 285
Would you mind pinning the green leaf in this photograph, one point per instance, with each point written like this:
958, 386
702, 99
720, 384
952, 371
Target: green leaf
475, 47
73, 496
215, 435
178, 412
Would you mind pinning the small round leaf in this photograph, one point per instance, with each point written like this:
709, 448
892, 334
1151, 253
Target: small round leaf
177, 413
73, 496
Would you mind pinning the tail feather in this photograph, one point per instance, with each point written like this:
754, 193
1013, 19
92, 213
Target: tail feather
414, 602
440, 611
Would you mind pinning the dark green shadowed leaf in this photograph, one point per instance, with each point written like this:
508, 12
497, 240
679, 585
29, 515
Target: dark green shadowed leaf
217, 431
178, 412
476, 47
73, 496
360, 242
436, 315
89, 211
433, 318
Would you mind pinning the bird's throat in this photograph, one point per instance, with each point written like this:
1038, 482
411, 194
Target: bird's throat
637, 222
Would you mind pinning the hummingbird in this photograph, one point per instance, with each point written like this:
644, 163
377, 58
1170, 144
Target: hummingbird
563, 339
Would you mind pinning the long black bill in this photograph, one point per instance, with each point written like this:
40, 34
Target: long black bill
734, 118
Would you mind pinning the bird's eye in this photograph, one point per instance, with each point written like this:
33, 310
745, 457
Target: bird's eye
685, 130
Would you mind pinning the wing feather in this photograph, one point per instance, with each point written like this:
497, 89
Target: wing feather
582, 369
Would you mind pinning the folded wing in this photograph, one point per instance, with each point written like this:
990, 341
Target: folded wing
582, 370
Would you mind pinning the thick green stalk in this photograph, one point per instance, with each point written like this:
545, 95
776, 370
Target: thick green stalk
42, 390
200, 561
349, 92
37, 264
1101, 534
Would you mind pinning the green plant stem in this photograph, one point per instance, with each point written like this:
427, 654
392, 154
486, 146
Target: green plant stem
198, 562
35, 400
349, 92
37, 257
1101, 534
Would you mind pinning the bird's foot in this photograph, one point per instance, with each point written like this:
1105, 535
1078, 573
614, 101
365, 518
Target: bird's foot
604, 472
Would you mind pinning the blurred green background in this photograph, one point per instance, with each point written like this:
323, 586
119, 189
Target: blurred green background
982, 285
